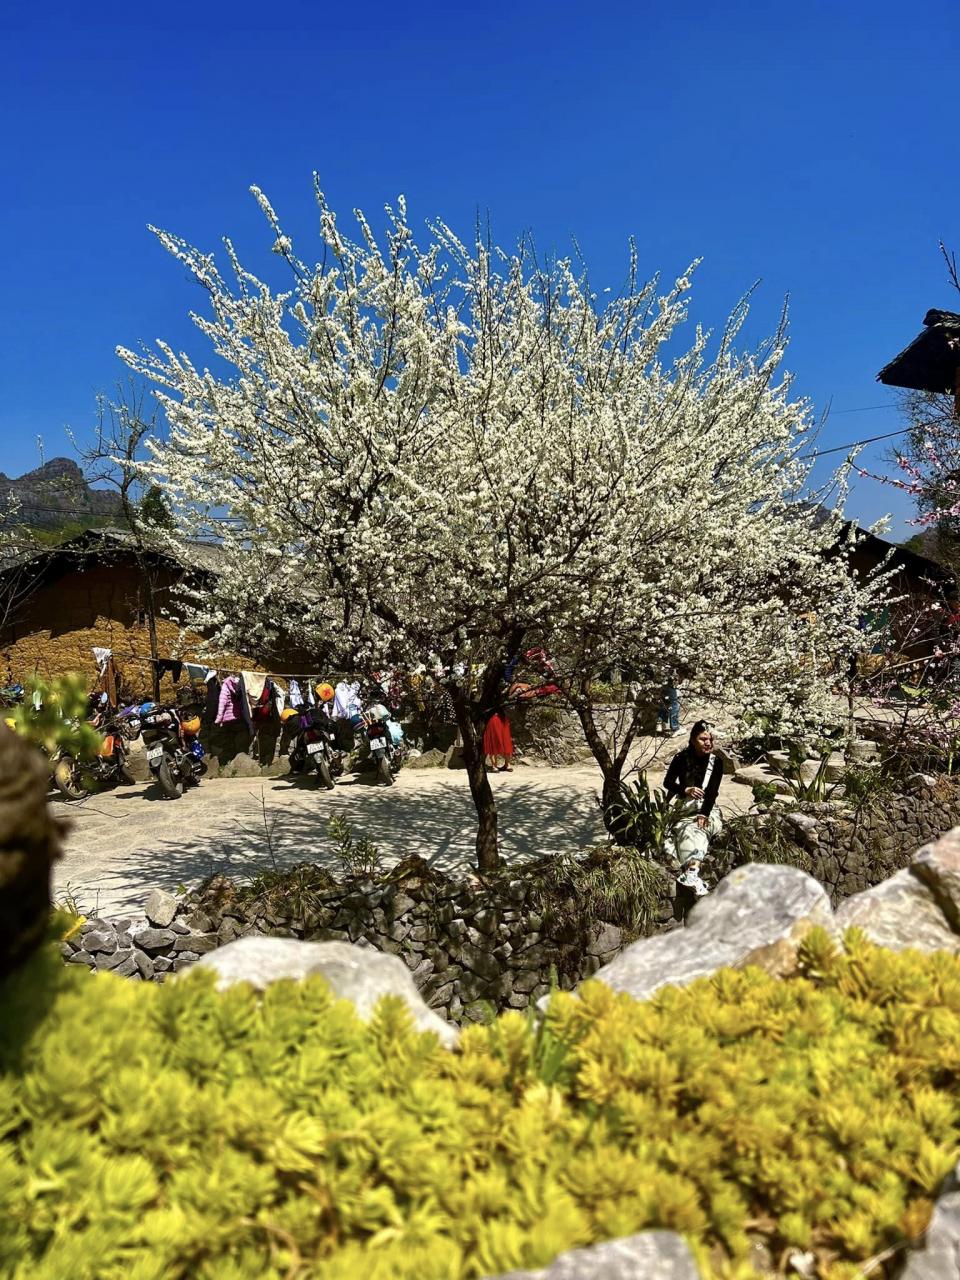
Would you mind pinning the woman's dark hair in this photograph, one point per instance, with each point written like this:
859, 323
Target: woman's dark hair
699, 727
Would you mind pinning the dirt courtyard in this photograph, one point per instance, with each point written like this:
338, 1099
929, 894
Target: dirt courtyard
124, 842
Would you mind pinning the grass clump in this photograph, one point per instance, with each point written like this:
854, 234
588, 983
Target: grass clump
166, 1132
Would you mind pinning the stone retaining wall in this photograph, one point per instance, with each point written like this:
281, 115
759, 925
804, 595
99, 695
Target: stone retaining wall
850, 851
472, 949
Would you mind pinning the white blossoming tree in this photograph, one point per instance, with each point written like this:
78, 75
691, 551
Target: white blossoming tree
443, 455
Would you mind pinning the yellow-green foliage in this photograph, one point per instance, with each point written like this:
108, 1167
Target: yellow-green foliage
58, 724
167, 1132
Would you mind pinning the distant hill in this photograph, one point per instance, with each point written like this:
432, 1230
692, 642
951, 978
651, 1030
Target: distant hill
56, 498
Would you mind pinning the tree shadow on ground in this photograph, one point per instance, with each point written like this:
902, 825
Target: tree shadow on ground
278, 826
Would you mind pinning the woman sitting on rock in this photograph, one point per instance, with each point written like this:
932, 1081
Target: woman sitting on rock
694, 778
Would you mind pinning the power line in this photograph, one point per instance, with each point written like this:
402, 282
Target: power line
841, 448
867, 408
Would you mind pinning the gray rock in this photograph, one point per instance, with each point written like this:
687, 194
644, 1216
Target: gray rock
606, 940
899, 913
651, 1255
939, 1256
160, 908
200, 921
145, 965
197, 942
937, 865
153, 940
184, 957
177, 926
100, 942
114, 961
94, 925
758, 915
360, 975
432, 759
82, 957
128, 967
162, 964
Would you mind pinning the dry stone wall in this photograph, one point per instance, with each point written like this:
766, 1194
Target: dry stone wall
472, 950
849, 851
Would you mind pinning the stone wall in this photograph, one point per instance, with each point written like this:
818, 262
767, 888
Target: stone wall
472, 949
847, 851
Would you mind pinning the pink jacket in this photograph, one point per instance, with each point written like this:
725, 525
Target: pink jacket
228, 708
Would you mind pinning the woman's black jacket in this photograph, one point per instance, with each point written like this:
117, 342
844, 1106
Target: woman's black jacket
687, 769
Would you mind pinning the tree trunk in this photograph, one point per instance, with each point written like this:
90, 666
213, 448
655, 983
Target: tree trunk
154, 645
610, 766
488, 853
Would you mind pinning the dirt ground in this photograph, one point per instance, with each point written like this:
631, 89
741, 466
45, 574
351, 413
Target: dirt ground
126, 841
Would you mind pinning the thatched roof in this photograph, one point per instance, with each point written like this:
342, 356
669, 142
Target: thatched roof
931, 361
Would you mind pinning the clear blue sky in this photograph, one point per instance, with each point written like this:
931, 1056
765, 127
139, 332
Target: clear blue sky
811, 147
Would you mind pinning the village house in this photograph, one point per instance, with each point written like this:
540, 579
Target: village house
93, 591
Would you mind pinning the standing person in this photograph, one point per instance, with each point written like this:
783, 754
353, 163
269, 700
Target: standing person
669, 713
498, 741
694, 777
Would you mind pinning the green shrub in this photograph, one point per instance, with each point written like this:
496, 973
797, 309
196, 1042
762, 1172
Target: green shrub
161, 1133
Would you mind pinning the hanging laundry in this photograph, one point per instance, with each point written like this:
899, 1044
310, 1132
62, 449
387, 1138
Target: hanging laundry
230, 709
296, 697
212, 704
311, 696
346, 700
196, 670
170, 665
279, 698
101, 656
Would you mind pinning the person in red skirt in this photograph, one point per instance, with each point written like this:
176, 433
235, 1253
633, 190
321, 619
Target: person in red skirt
498, 742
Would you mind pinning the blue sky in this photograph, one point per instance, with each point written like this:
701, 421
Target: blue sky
811, 148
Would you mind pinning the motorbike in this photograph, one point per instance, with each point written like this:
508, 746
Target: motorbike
316, 746
175, 754
385, 741
76, 777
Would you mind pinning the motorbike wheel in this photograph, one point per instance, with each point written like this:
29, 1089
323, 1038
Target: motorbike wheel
326, 777
384, 772
171, 783
125, 776
68, 779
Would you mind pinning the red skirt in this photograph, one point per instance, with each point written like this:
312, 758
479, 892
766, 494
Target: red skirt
497, 740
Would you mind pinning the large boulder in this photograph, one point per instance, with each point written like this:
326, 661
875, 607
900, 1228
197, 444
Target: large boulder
358, 974
650, 1255
899, 913
937, 865
758, 915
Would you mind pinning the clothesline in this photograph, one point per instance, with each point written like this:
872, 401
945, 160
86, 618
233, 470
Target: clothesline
229, 671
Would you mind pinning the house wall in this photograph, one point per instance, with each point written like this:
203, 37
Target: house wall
58, 626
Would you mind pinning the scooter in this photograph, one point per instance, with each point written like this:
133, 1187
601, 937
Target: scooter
385, 740
316, 746
175, 754
76, 778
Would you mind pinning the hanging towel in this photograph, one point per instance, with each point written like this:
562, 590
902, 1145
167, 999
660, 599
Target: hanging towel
311, 696
253, 682
296, 697
346, 700
101, 656
196, 670
279, 698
